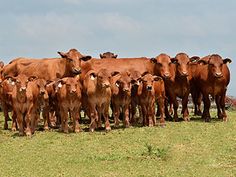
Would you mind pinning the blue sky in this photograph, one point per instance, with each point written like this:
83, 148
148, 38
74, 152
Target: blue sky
33, 28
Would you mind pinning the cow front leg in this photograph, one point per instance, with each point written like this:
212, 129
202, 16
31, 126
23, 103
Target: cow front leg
207, 104
185, 108
126, 116
176, 105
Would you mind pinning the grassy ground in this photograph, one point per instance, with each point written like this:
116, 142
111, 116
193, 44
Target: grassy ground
180, 149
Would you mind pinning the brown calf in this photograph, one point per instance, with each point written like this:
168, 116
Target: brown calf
151, 89
97, 93
69, 101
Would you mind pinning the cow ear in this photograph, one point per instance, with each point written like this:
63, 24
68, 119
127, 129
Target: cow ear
115, 56
202, 62
114, 73
10, 80
145, 73
101, 56
92, 76
153, 60
157, 78
194, 59
31, 78
174, 60
227, 60
63, 55
86, 58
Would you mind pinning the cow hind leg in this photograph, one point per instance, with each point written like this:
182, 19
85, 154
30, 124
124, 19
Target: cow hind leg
222, 104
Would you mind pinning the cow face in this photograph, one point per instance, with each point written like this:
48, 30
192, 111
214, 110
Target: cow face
74, 58
108, 55
21, 82
163, 63
215, 65
102, 78
123, 82
147, 81
182, 62
41, 84
71, 84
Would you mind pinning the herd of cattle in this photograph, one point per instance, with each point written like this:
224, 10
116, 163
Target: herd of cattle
60, 88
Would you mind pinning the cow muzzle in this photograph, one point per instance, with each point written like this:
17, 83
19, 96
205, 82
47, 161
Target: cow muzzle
218, 75
22, 89
105, 85
76, 71
149, 87
184, 73
166, 75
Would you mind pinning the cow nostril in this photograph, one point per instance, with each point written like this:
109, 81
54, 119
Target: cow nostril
149, 87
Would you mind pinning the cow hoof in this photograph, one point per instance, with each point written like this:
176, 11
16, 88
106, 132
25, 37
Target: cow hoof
108, 129
91, 130
66, 131
77, 130
13, 129
5, 127
46, 128
21, 133
28, 134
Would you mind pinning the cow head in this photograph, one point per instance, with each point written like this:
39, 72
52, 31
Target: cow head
21, 82
122, 81
182, 62
102, 78
163, 66
215, 64
147, 81
41, 84
74, 58
71, 84
108, 55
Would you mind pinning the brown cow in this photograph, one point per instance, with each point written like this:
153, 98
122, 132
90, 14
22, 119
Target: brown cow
97, 90
48, 68
121, 96
121, 65
22, 103
180, 85
69, 100
6, 88
212, 77
151, 89
108, 55
40, 99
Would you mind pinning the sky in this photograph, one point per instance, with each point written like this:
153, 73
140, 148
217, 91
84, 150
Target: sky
129, 28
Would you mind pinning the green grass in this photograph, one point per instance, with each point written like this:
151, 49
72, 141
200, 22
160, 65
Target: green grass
180, 149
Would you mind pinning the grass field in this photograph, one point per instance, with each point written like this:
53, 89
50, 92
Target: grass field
180, 149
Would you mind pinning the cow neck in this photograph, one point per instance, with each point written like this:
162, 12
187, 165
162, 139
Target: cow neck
68, 72
21, 97
101, 90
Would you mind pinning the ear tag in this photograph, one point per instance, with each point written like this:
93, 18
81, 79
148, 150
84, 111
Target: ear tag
117, 84
138, 83
92, 77
59, 85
